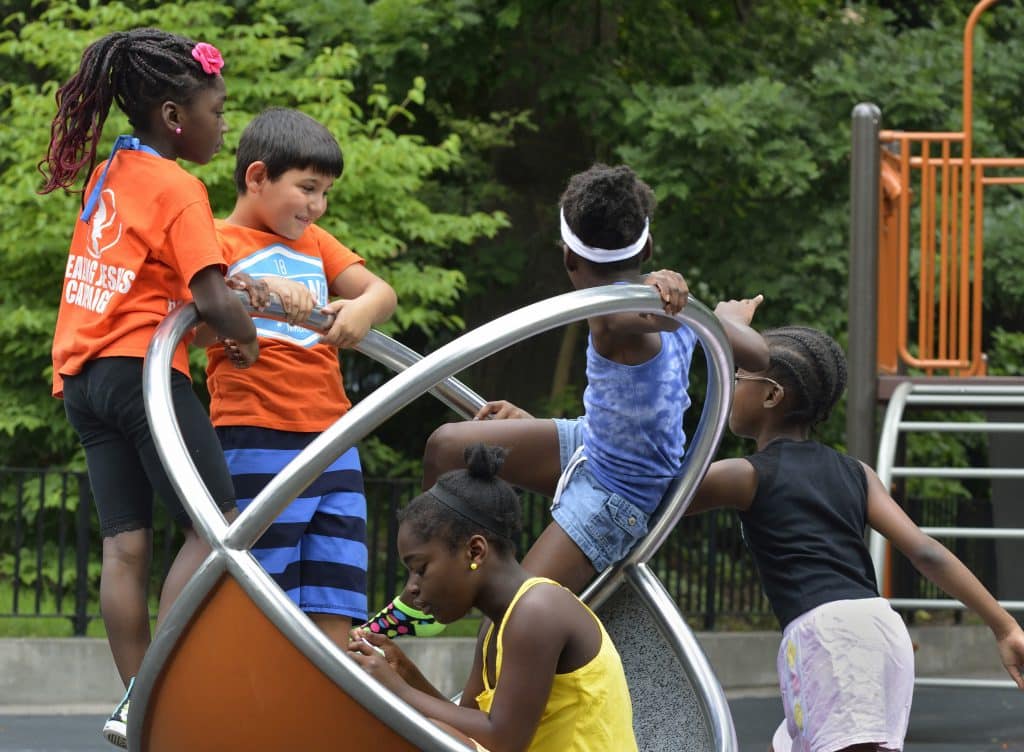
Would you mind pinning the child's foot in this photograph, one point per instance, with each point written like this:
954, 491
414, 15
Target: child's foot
398, 619
115, 730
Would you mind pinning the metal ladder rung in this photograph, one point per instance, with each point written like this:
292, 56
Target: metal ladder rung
929, 681
973, 532
939, 427
1009, 400
1009, 389
946, 603
958, 472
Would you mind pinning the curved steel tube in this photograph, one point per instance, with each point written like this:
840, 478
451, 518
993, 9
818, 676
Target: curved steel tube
443, 363
887, 443
706, 687
433, 373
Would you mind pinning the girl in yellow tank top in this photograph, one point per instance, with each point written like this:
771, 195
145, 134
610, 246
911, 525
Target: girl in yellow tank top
587, 709
552, 680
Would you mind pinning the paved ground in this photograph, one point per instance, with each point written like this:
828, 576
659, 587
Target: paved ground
943, 720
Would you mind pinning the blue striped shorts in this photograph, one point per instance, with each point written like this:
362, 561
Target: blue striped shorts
316, 549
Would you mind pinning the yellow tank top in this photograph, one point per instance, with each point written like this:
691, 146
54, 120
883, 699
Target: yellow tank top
588, 710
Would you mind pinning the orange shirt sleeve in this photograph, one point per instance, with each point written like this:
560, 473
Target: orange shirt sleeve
337, 257
192, 241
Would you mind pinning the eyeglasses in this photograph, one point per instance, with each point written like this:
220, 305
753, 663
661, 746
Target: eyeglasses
742, 377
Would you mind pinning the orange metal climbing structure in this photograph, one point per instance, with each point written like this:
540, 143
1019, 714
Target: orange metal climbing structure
931, 245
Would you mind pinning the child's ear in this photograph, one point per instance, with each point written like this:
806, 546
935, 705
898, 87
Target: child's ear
170, 116
569, 259
776, 394
476, 549
648, 250
256, 176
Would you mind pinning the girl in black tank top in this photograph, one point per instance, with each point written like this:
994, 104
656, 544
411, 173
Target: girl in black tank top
804, 509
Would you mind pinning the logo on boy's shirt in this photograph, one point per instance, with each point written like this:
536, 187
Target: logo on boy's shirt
102, 236
279, 260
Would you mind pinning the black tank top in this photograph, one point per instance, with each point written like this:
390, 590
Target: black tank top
805, 527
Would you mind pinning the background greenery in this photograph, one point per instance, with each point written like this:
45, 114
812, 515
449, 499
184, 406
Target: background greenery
461, 121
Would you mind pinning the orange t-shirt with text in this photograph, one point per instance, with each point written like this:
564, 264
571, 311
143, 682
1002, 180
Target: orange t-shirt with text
296, 384
130, 264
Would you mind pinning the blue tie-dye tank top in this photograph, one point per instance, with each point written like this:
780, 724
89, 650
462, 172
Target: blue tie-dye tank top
633, 425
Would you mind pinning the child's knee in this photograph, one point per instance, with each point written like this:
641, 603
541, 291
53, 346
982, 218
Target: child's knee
443, 451
130, 548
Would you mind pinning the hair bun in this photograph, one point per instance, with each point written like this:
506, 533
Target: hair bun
484, 461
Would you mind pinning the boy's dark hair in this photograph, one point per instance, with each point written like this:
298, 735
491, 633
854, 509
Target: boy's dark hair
490, 500
285, 139
139, 70
606, 207
811, 366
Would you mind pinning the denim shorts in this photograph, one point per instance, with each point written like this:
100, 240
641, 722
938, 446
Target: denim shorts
602, 523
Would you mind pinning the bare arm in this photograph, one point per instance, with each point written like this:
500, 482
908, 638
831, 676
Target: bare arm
533, 642
394, 657
224, 313
632, 338
501, 410
296, 299
365, 300
728, 483
674, 293
258, 290
939, 565
749, 350
205, 336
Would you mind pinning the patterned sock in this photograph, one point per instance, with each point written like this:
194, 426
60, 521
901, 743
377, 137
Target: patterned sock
398, 619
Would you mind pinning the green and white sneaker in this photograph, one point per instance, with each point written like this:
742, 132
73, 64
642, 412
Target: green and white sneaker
115, 730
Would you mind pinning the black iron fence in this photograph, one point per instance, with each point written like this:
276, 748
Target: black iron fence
50, 552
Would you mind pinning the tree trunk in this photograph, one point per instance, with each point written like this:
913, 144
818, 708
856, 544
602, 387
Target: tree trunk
563, 365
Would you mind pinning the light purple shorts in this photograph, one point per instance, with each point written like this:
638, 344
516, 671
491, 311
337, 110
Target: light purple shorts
846, 671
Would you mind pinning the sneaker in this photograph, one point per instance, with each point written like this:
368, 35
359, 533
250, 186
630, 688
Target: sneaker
115, 730
398, 619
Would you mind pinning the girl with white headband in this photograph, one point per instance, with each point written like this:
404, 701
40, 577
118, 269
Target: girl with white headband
609, 469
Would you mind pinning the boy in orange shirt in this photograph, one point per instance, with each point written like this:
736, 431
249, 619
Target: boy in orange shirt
264, 416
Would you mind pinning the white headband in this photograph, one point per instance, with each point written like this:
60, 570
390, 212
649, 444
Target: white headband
603, 255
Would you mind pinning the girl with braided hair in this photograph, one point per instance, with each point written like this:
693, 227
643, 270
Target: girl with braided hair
145, 243
546, 678
846, 664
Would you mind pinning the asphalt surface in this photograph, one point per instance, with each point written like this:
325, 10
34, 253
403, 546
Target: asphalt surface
942, 720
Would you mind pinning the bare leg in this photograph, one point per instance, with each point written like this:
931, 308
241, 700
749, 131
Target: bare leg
556, 555
533, 460
534, 463
124, 589
192, 553
335, 626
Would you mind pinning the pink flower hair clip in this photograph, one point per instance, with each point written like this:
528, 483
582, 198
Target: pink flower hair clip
208, 57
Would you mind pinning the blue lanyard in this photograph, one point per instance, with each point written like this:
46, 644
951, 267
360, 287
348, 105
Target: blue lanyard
121, 142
